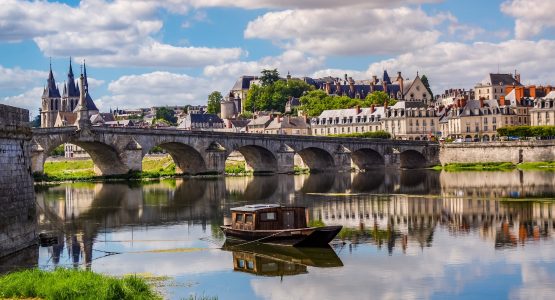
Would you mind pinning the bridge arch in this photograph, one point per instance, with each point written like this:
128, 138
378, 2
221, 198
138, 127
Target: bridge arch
317, 159
412, 159
367, 159
258, 158
106, 158
188, 160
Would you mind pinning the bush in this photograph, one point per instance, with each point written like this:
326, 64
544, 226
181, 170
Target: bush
527, 131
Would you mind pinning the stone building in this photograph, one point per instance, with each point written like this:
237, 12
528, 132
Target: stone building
494, 85
288, 125
56, 108
411, 120
259, 124
344, 121
204, 122
543, 112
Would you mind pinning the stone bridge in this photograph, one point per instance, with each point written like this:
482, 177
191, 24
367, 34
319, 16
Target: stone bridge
121, 150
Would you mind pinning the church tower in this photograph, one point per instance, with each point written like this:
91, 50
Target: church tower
51, 101
70, 95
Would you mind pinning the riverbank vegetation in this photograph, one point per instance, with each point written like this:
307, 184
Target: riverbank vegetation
524, 131
497, 166
73, 284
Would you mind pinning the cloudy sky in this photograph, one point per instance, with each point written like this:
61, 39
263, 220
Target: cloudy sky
149, 52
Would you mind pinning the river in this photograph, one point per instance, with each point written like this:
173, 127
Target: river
409, 235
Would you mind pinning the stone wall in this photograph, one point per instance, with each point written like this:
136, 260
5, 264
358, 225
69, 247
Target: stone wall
513, 151
17, 196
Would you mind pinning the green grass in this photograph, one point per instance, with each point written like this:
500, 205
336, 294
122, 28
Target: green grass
537, 166
489, 166
73, 284
236, 169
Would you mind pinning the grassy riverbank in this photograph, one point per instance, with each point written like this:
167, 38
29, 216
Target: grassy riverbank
497, 166
153, 167
73, 284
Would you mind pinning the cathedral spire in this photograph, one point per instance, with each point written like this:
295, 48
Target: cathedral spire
85, 82
51, 90
71, 90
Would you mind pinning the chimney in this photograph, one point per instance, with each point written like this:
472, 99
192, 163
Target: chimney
374, 79
385, 105
372, 109
459, 103
328, 88
338, 87
517, 77
481, 101
352, 86
279, 119
357, 109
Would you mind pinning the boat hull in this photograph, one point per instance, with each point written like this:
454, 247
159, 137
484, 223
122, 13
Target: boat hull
301, 237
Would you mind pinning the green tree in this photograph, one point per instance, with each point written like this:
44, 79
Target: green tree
214, 100
36, 121
269, 77
315, 102
164, 113
425, 82
274, 96
378, 98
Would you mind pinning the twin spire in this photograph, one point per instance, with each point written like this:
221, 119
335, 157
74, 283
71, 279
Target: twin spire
71, 87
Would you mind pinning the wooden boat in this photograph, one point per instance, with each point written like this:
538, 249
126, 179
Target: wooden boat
276, 224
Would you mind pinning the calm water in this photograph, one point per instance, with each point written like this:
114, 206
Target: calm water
418, 234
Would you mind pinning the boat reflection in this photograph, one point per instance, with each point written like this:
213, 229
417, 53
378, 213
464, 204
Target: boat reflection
271, 260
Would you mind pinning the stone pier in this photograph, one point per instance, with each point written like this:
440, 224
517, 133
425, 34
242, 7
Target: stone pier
17, 197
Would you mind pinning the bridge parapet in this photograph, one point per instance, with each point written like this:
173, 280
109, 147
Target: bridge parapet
197, 152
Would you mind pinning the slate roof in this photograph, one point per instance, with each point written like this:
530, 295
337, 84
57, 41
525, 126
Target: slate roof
261, 120
70, 88
500, 79
239, 123
51, 90
551, 95
243, 83
288, 122
205, 118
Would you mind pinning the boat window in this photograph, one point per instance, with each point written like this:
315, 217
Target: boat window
241, 263
269, 216
248, 218
250, 264
239, 218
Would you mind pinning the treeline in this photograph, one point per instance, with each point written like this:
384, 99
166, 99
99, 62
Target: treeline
527, 131
315, 102
369, 135
272, 93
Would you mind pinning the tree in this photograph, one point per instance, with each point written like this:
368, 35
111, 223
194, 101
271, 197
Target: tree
36, 121
269, 77
425, 82
274, 96
214, 100
164, 113
378, 98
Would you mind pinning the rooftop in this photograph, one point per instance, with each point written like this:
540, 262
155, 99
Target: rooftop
255, 207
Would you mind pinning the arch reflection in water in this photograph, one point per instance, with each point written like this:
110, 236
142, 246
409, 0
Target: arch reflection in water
269, 260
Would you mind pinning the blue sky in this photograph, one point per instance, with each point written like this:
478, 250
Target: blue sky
175, 52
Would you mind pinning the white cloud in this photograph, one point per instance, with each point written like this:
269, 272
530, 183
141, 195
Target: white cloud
293, 61
158, 88
29, 100
19, 79
459, 65
364, 31
532, 16
112, 33
311, 4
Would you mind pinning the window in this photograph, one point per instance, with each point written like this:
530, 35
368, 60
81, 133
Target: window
269, 216
248, 218
241, 263
239, 218
250, 265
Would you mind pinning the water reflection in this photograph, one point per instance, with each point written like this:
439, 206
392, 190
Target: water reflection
266, 260
428, 225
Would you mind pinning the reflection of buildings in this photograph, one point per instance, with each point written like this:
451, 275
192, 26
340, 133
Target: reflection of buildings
403, 220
